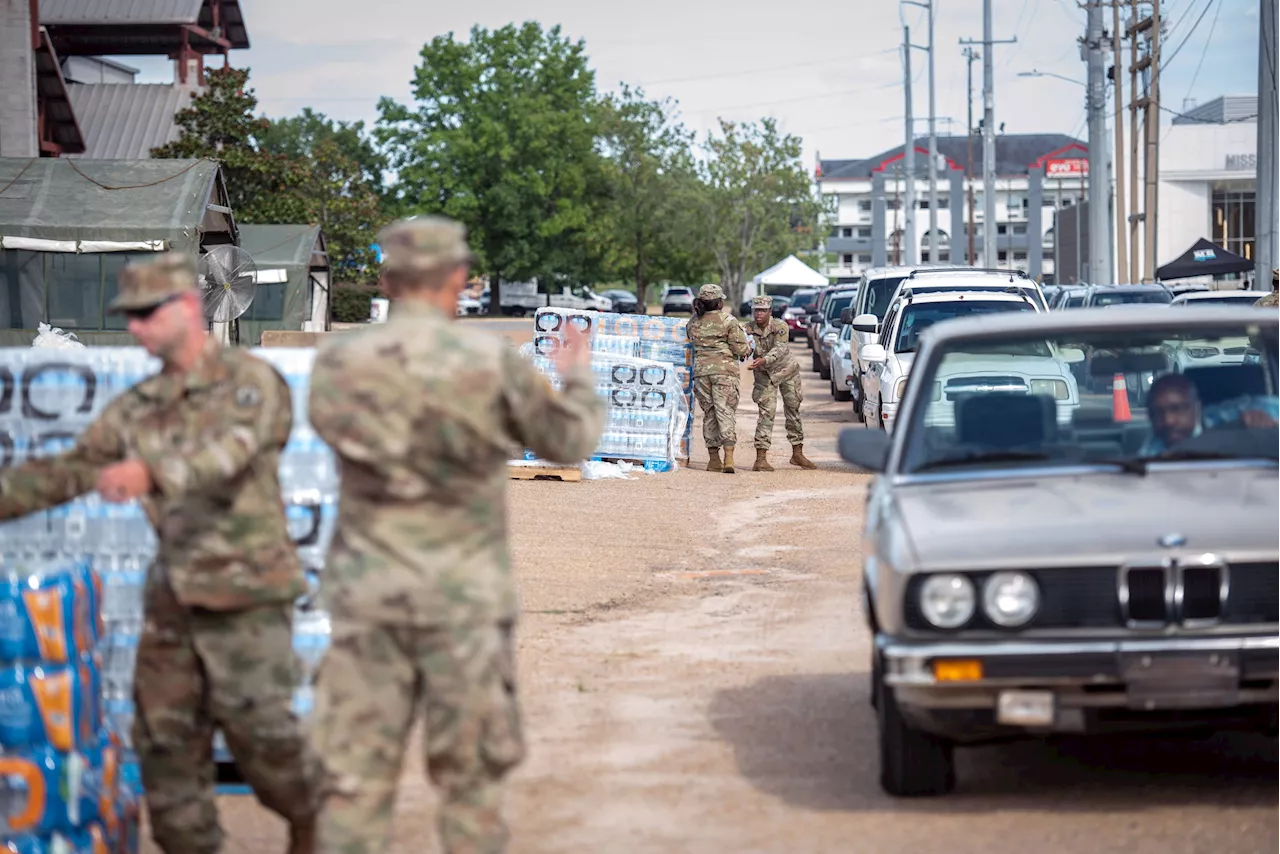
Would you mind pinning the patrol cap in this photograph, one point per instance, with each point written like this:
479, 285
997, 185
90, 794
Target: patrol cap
710, 292
762, 301
146, 284
423, 243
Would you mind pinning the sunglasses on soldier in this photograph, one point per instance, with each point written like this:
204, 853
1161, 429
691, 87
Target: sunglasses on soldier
145, 313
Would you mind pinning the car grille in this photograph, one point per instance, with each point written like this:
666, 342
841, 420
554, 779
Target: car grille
1090, 597
984, 385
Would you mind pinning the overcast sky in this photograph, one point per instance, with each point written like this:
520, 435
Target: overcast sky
830, 72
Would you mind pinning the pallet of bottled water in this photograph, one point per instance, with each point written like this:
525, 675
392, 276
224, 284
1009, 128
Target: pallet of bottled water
663, 340
644, 408
63, 786
47, 397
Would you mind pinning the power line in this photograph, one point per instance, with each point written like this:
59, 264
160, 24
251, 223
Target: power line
1205, 51
1164, 63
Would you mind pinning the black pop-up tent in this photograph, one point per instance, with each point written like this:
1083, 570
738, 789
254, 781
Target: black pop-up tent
1204, 259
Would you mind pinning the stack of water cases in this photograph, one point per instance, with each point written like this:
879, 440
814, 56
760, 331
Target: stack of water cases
643, 369
47, 397
60, 767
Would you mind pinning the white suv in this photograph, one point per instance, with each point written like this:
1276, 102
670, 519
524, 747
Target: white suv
888, 360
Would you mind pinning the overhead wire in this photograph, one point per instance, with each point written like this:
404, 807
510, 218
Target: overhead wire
1164, 61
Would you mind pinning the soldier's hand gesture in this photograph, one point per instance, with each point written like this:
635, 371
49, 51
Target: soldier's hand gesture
574, 350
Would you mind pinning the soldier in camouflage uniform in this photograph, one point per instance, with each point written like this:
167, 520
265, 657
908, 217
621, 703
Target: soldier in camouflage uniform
424, 414
719, 345
199, 445
1271, 300
776, 370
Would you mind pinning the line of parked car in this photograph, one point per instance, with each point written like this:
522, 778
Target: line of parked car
889, 308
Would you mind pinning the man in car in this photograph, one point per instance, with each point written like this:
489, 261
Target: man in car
775, 370
1173, 405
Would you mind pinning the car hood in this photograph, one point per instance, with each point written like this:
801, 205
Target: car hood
960, 364
1095, 519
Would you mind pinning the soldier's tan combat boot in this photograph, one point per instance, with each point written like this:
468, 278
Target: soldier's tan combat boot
728, 459
799, 459
714, 463
762, 460
302, 837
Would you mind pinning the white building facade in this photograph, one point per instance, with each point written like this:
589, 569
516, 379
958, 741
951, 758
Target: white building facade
1037, 176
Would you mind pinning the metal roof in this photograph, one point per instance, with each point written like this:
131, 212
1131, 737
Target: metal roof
298, 246
124, 121
138, 26
1015, 154
1223, 110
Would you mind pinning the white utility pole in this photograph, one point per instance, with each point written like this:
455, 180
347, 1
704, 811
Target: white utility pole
1265, 244
909, 160
988, 137
933, 140
1100, 269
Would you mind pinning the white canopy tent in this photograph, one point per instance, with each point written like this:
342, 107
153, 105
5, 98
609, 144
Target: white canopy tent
784, 277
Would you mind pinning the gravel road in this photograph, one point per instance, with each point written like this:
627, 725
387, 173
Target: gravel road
694, 674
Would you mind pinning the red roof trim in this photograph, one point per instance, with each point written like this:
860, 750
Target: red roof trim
1054, 155
901, 155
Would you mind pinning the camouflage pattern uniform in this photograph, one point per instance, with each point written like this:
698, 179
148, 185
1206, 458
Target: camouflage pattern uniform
215, 650
424, 414
719, 345
1271, 300
781, 373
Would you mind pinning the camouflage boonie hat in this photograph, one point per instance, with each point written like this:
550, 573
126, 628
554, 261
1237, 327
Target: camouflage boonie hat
710, 292
762, 301
151, 283
423, 243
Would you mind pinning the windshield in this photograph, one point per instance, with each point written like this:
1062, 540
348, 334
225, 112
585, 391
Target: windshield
837, 304
1103, 298
1124, 398
1233, 300
803, 299
919, 317
879, 292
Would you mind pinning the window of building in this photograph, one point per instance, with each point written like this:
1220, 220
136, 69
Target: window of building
865, 233
1019, 229
835, 231
864, 259
21, 289
846, 259
73, 290
864, 205
944, 256
1234, 226
64, 289
1002, 229
1002, 255
846, 232
1019, 256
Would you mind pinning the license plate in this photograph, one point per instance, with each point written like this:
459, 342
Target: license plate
1181, 680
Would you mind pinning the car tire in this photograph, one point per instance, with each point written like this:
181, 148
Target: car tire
913, 764
817, 366
856, 397
840, 394
824, 371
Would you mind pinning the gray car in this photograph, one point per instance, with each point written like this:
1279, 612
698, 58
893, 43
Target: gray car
1036, 564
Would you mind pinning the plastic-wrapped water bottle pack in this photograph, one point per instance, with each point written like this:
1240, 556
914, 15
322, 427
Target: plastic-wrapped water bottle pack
47, 397
643, 367
62, 786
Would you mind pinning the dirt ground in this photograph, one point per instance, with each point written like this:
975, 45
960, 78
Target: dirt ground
694, 677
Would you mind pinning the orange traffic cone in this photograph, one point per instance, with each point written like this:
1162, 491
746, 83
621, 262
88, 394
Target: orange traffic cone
1120, 400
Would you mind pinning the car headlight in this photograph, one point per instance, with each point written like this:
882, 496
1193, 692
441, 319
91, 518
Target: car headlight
947, 600
1010, 598
1202, 352
937, 391
829, 339
1056, 388
899, 389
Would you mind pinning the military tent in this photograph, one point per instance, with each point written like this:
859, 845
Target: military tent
293, 280
68, 226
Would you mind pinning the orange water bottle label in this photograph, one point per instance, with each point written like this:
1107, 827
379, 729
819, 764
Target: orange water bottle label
107, 806
83, 615
33, 810
55, 699
44, 608
98, 839
88, 703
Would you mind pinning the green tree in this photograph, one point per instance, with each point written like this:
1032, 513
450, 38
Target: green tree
650, 171
220, 124
757, 200
338, 183
502, 138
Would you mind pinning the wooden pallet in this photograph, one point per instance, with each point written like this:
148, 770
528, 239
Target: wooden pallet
567, 474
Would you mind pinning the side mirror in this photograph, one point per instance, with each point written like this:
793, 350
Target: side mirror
846, 316
866, 323
872, 354
866, 449
1071, 355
